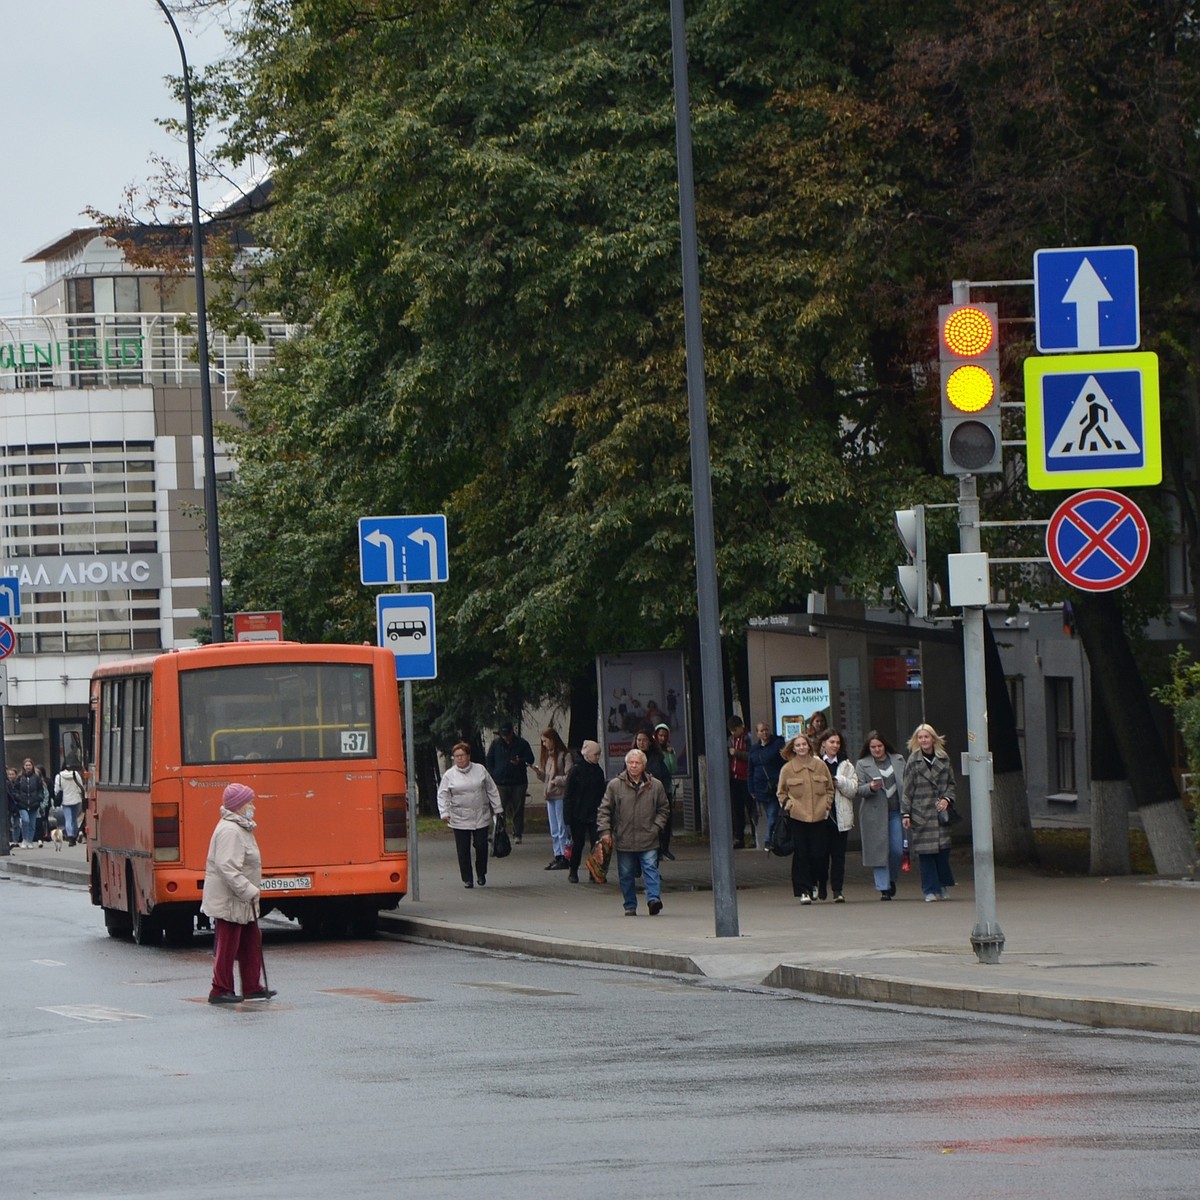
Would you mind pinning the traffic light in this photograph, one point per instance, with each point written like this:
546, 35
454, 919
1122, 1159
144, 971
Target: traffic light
912, 576
969, 350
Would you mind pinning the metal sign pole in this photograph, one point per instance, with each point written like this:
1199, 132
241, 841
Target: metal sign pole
5, 848
414, 806
987, 938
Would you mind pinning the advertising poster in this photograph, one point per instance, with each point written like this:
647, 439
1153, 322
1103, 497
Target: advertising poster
638, 691
796, 702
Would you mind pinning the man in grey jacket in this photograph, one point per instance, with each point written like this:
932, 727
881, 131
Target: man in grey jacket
634, 810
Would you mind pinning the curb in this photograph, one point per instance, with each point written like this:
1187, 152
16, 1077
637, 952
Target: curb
483, 938
42, 871
1093, 1011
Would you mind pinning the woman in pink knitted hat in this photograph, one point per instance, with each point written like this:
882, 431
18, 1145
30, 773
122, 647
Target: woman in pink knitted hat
232, 884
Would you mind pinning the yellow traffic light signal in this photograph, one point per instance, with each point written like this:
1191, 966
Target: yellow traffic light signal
969, 350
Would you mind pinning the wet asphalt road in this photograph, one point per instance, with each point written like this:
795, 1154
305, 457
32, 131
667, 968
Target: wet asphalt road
391, 1069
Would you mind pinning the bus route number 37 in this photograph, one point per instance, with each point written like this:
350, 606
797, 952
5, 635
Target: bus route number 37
354, 741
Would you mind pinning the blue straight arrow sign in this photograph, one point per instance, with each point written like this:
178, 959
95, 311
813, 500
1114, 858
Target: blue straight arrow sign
1086, 299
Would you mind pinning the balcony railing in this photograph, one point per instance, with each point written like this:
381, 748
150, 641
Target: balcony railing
106, 350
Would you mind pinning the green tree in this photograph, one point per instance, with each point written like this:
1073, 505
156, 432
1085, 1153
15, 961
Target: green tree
481, 234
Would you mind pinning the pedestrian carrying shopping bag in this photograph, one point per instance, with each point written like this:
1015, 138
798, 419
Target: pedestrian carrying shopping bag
597, 862
501, 842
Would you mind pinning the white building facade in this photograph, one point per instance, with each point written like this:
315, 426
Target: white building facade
101, 479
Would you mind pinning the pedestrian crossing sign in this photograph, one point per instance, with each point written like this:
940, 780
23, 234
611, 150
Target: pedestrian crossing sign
1092, 420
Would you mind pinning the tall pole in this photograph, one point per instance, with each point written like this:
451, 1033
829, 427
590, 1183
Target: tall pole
5, 822
414, 803
717, 772
216, 602
987, 938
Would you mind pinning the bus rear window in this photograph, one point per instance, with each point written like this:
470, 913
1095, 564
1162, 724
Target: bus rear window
286, 712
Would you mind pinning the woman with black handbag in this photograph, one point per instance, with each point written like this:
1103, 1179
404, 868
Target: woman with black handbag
805, 792
467, 798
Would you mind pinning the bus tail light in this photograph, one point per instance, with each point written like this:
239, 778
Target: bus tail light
395, 822
166, 832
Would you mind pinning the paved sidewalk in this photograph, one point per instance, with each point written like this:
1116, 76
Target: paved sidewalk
1118, 952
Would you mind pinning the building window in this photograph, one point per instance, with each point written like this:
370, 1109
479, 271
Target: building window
1060, 709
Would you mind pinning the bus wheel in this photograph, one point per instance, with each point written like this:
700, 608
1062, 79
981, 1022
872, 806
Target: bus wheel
117, 923
145, 928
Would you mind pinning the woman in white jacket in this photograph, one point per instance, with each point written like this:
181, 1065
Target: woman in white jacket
232, 885
467, 798
68, 790
841, 815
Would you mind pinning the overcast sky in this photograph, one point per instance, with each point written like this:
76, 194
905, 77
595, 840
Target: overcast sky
82, 84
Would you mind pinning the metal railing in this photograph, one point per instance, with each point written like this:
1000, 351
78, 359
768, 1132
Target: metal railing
107, 350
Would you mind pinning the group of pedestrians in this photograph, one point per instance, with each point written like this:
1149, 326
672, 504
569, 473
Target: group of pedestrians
31, 797
629, 815
902, 806
900, 803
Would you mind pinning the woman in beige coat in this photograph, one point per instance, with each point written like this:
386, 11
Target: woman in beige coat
232, 885
806, 795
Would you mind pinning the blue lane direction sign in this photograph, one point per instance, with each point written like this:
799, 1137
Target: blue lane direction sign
1098, 540
1086, 298
403, 549
1092, 420
10, 597
407, 628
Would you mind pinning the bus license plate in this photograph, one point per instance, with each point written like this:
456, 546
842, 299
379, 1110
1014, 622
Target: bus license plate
287, 883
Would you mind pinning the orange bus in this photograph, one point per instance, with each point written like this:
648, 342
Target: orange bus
315, 730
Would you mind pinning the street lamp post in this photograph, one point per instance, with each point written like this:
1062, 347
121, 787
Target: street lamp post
215, 600
708, 608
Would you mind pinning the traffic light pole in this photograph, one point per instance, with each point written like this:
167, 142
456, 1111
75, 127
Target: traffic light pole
987, 938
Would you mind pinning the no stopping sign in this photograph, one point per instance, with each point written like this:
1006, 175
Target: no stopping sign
1098, 540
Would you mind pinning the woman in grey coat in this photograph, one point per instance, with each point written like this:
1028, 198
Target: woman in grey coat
880, 778
928, 791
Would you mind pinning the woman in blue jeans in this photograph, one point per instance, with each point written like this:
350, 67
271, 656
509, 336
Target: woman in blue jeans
928, 791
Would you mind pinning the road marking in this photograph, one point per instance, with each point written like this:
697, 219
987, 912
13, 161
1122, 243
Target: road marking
374, 994
94, 1013
49, 962
518, 989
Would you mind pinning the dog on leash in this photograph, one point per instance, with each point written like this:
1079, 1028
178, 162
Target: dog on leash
56, 838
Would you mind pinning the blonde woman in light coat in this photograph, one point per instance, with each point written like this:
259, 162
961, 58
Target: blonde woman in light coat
929, 791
